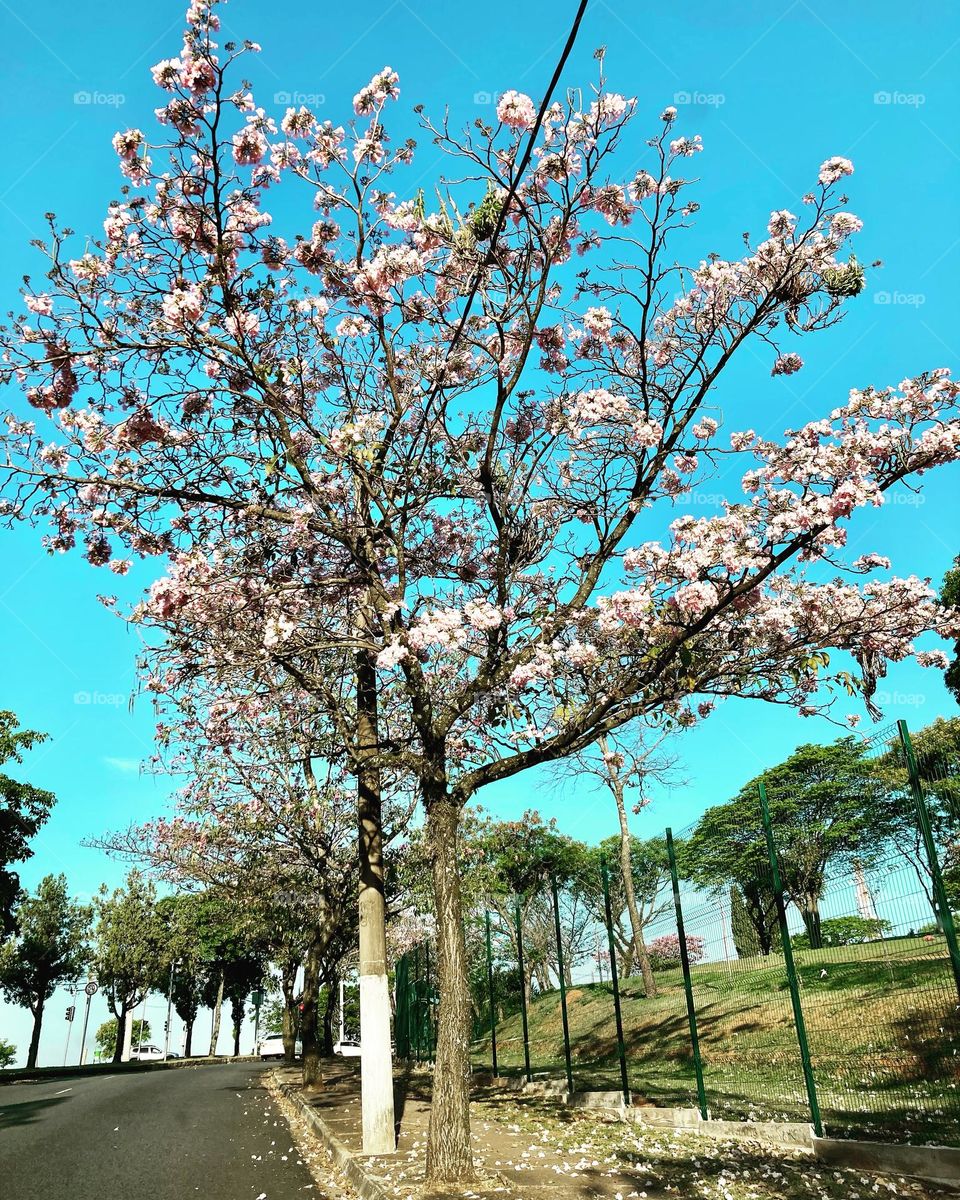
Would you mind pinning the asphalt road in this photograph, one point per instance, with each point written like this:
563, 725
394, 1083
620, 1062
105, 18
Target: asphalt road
211, 1132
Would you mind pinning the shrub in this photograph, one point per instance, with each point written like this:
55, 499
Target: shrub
845, 931
665, 951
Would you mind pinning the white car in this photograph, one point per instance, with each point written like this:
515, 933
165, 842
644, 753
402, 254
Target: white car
271, 1046
348, 1048
146, 1054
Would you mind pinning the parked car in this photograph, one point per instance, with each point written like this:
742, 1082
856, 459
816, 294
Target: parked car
348, 1048
146, 1054
271, 1046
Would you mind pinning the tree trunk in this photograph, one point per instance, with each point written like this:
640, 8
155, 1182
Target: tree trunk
376, 1054
215, 1025
640, 955
121, 1033
236, 1015
288, 984
329, 1010
35, 1036
810, 910
312, 1078
188, 1044
449, 1152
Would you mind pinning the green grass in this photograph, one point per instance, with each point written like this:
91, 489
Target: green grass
882, 1021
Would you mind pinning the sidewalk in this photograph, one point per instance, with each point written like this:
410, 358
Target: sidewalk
530, 1148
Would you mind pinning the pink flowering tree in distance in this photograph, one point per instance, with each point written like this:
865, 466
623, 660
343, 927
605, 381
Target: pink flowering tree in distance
267, 819
423, 454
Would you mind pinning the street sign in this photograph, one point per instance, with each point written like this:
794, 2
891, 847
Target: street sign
91, 988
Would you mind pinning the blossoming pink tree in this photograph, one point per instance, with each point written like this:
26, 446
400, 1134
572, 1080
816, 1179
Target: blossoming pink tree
426, 455
265, 818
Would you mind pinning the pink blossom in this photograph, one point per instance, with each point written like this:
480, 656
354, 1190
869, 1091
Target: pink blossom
249, 146
694, 599
787, 364
128, 143
41, 304
183, 306
834, 169
166, 73
376, 92
516, 110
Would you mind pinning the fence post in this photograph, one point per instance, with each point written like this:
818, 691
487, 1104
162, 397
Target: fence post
615, 980
563, 988
490, 993
944, 911
798, 1021
687, 981
428, 1005
523, 995
402, 1017
415, 1003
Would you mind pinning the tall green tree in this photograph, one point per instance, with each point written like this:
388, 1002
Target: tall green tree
132, 948
937, 752
950, 596
49, 948
23, 809
107, 1040
827, 805
244, 973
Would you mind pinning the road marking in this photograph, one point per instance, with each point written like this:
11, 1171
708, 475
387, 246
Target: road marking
63, 1091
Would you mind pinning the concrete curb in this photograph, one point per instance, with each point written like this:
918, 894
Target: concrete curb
38, 1074
343, 1158
937, 1164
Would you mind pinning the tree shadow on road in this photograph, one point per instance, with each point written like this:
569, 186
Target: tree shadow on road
27, 1111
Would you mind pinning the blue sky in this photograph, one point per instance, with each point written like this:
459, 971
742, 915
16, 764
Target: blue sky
774, 89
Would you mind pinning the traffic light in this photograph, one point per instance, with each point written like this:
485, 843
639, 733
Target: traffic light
70, 1012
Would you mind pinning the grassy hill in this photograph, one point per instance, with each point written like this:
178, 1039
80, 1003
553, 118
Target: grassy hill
882, 1021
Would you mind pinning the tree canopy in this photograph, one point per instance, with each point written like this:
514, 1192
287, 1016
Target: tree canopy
23, 810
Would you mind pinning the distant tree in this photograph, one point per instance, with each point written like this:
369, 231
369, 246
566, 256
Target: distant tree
937, 752
649, 876
271, 1016
243, 974
844, 931
132, 948
753, 918
746, 941
8, 1052
627, 762
665, 950
950, 596
23, 809
107, 1040
826, 803
49, 948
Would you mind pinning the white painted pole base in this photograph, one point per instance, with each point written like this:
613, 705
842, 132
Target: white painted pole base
376, 1066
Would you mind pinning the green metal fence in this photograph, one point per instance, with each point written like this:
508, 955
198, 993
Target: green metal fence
846, 1017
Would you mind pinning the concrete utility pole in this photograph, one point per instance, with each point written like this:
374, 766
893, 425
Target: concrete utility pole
166, 1034
91, 991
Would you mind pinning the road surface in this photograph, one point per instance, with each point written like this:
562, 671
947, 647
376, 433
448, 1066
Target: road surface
211, 1132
